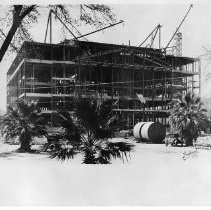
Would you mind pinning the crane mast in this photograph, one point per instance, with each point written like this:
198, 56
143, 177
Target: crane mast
177, 29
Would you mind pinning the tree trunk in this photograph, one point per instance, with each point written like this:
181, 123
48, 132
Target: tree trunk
25, 140
89, 157
18, 15
9, 38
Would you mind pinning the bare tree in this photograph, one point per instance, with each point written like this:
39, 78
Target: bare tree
18, 19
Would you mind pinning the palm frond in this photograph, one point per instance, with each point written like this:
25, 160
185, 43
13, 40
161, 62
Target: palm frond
64, 153
102, 133
115, 150
86, 113
105, 156
73, 132
26, 109
104, 112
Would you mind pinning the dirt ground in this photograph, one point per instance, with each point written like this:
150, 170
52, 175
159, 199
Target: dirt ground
154, 175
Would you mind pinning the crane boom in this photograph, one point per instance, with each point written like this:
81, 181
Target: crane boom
155, 29
100, 29
179, 26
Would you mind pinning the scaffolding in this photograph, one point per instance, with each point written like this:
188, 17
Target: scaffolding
140, 81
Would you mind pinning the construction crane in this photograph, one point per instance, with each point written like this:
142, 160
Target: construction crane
153, 35
49, 22
177, 48
177, 29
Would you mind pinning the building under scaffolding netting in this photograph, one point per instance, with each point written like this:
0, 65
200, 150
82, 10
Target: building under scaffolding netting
140, 81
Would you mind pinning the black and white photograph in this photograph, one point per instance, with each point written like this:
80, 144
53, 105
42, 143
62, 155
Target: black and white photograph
105, 103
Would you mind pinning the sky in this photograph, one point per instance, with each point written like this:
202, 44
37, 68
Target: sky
140, 18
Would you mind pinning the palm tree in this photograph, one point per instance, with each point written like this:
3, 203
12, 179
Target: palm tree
188, 116
23, 121
89, 133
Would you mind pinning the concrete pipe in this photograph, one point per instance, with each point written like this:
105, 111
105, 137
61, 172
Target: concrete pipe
149, 131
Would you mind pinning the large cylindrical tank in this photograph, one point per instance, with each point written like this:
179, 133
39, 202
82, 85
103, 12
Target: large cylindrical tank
149, 131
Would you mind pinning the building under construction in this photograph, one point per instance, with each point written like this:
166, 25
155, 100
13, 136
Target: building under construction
140, 81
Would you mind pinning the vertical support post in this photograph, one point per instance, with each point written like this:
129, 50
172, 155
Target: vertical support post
133, 94
199, 63
186, 80
18, 82
16, 85
166, 88
153, 94
50, 16
143, 93
90, 80
33, 78
51, 80
192, 80
64, 81
163, 87
159, 37
85, 84
186, 85
24, 82
75, 73
112, 84
172, 79
79, 78
101, 86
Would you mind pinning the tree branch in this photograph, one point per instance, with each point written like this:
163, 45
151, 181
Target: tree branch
27, 11
17, 9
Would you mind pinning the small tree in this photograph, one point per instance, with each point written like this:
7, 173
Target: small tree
89, 134
23, 121
188, 116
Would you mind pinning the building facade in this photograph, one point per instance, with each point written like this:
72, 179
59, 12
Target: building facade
140, 81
